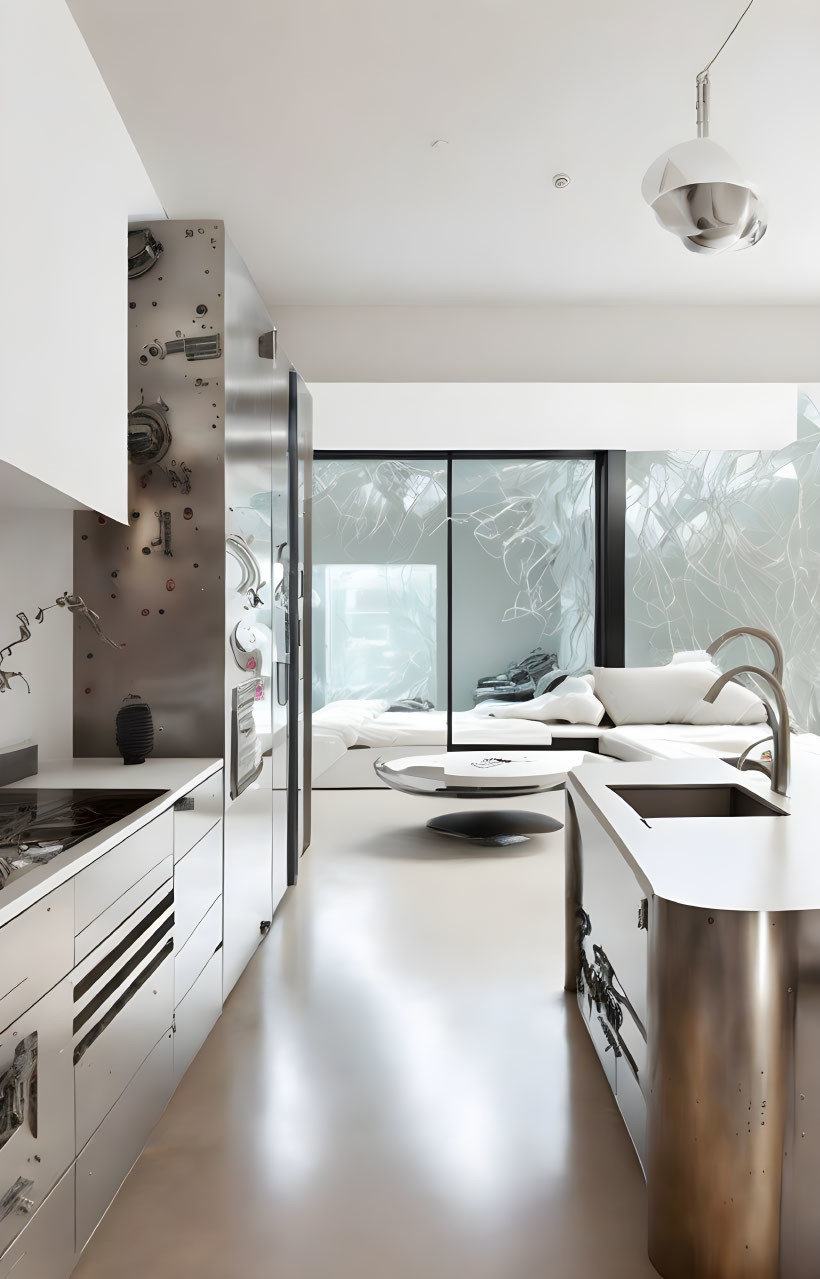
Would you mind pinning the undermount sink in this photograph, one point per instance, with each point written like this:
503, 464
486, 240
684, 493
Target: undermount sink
695, 801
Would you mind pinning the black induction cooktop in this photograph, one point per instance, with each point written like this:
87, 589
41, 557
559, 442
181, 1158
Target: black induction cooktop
39, 823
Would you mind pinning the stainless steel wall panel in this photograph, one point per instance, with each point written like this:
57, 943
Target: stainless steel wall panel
45, 1248
116, 874
107, 1158
27, 970
166, 608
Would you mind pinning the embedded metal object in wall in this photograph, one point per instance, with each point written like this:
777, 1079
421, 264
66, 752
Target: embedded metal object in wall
149, 436
75, 604
206, 347
246, 653
180, 477
251, 582
246, 752
143, 251
163, 538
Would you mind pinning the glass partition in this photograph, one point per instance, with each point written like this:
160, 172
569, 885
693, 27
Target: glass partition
717, 540
380, 581
523, 585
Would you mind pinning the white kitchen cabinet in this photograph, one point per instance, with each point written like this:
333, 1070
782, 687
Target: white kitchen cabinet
107, 1158
45, 1247
197, 1015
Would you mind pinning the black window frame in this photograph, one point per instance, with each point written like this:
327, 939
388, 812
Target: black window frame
610, 550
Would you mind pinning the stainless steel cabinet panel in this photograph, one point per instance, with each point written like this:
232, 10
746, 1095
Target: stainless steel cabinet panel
107, 1158
197, 1015
106, 1067
632, 1105
114, 873
36, 951
45, 1248
197, 813
197, 884
122, 909
37, 1050
197, 951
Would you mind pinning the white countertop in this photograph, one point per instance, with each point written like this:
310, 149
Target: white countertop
174, 777
715, 863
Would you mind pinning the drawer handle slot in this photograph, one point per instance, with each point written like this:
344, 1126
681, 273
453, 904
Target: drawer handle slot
124, 999
185, 805
114, 954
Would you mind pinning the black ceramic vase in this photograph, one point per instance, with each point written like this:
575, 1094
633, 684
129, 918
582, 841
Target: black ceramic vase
135, 730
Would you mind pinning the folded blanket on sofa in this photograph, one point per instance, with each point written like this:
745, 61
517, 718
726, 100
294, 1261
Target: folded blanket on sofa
573, 701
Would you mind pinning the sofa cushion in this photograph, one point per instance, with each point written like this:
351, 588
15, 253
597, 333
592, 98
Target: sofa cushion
673, 694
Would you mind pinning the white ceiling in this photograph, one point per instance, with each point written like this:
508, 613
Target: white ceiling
307, 125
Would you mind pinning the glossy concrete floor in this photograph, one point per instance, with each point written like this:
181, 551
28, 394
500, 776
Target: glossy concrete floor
398, 1088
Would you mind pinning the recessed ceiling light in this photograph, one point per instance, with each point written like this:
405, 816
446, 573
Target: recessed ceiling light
560, 180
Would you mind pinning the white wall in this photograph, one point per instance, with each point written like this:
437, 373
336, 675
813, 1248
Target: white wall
553, 343
36, 567
552, 415
71, 178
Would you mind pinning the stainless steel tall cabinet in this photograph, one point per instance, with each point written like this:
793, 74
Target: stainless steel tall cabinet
200, 588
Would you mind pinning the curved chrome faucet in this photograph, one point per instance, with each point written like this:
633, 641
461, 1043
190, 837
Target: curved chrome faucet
778, 723
756, 633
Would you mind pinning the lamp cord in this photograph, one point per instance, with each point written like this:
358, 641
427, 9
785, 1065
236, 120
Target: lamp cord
702, 80
728, 38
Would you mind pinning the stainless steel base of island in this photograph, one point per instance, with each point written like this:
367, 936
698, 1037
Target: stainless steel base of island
707, 1024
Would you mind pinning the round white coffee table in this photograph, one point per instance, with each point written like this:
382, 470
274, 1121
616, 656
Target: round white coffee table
500, 774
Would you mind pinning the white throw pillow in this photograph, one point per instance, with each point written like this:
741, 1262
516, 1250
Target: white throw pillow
573, 702
693, 655
673, 694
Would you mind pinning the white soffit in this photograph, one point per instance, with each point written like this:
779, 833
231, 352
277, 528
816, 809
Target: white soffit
364, 416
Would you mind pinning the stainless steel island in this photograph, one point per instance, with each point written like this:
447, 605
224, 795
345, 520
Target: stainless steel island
693, 944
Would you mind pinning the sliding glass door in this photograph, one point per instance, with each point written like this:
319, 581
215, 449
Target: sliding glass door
380, 581
523, 565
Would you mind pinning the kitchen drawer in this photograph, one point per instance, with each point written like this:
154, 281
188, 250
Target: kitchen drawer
106, 1160
123, 908
35, 1059
130, 1028
197, 884
196, 813
197, 1015
45, 1248
197, 951
113, 874
36, 951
